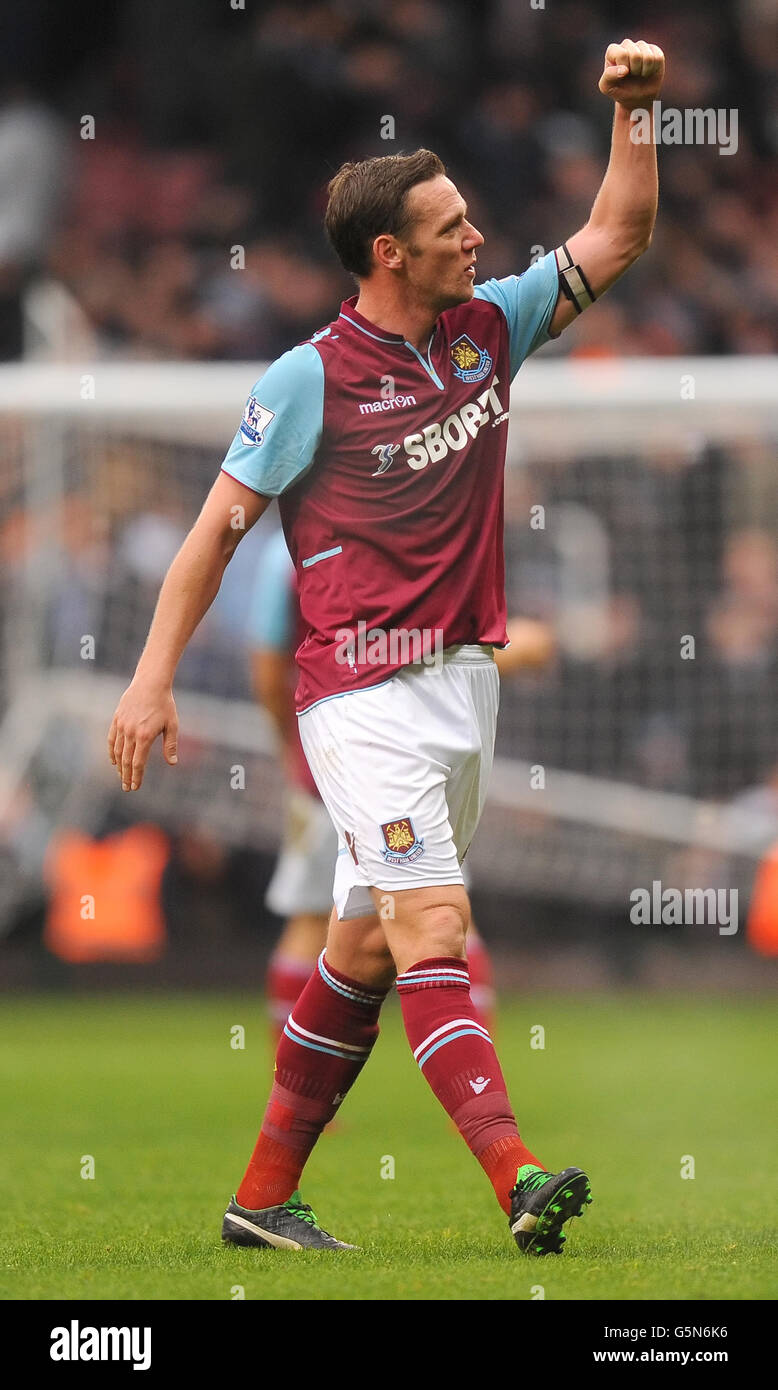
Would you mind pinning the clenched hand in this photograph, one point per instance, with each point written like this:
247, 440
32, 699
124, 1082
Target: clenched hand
633, 73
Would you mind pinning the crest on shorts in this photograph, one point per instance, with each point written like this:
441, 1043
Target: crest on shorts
256, 419
471, 363
402, 846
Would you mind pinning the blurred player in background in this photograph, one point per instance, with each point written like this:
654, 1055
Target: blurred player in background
392, 507
300, 890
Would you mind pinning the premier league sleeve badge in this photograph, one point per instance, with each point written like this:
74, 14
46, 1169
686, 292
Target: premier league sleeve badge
256, 419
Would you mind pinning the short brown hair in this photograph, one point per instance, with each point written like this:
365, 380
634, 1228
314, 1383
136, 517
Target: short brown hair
370, 198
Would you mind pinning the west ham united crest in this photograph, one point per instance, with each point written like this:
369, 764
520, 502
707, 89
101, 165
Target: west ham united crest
471, 363
402, 846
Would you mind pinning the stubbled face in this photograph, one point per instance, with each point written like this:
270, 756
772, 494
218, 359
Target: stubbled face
439, 252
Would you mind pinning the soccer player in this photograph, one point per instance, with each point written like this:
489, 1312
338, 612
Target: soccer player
300, 890
383, 438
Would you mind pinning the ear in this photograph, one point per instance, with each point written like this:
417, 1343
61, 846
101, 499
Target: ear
387, 252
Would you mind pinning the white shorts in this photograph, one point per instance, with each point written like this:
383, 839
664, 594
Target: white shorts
302, 879
403, 768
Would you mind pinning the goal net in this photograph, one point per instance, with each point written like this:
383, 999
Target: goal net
641, 525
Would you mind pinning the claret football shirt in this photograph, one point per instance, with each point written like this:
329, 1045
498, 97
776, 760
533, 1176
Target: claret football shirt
388, 467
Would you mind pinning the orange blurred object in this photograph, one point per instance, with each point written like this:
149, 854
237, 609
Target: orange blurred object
762, 921
105, 901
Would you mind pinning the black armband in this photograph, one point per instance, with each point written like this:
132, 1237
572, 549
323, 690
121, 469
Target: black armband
572, 281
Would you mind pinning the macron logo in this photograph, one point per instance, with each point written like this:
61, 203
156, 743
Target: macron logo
77, 1343
480, 1084
391, 403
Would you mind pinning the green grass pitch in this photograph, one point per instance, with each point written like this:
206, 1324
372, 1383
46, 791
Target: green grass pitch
630, 1087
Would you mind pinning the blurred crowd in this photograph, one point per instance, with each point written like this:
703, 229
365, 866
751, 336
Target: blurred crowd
188, 223
659, 577
664, 616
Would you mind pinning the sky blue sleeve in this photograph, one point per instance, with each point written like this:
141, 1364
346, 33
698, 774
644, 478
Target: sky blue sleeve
528, 303
271, 608
281, 427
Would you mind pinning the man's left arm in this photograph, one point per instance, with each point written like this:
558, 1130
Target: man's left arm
622, 218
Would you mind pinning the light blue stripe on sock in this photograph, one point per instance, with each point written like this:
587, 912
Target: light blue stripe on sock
432, 980
341, 989
344, 1056
409, 976
333, 984
463, 1032
337, 988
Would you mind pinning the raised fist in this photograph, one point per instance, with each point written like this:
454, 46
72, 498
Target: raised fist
633, 73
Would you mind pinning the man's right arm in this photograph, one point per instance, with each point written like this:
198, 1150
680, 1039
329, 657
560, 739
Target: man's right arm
147, 707
273, 448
